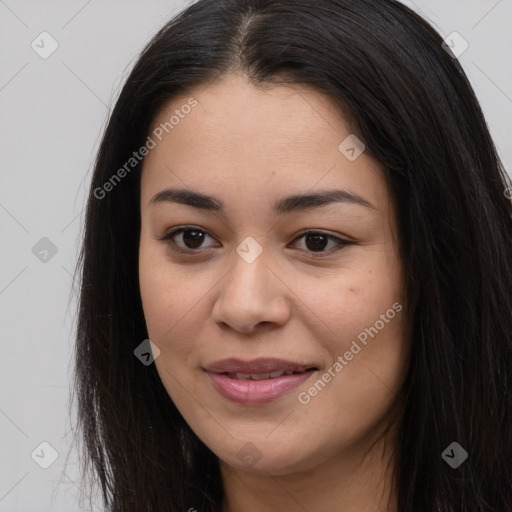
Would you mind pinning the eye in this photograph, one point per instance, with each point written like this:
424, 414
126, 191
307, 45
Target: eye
316, 242
192, 239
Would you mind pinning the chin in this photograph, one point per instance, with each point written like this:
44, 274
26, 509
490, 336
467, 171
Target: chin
270, 460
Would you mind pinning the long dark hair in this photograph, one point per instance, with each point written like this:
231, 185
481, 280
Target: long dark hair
411, 104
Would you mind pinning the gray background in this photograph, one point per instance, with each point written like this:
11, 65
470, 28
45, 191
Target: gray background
52, 113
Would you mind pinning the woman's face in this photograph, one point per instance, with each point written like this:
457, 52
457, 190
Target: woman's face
246, 280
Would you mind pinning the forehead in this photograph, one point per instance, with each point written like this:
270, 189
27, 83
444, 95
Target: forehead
251, 141
232, 114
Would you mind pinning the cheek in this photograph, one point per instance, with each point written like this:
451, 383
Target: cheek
362, 320
348, 302
172, 303
366, 331
171, 297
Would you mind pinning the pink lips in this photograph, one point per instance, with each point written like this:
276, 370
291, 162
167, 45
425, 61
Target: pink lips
256, 392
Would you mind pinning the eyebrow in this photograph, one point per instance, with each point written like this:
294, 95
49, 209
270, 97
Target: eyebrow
293, 203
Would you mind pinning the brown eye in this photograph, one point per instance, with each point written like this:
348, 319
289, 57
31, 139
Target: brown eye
316, 242
191, 239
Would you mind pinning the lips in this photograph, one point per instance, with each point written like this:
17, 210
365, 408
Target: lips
250, 392
257, 382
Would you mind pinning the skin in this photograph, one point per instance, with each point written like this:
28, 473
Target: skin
250, 147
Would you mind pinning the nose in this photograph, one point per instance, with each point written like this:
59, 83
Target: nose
251, 295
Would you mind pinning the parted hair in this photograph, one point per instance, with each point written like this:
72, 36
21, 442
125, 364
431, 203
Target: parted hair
410, 102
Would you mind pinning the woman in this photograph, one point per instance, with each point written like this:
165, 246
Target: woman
300, 205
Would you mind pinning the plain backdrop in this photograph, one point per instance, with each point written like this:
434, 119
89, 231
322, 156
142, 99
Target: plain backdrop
52, 113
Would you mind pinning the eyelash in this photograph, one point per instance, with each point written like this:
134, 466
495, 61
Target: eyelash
168, 240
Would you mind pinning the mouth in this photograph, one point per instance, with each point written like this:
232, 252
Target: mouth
258, 369
254, 389
264, 376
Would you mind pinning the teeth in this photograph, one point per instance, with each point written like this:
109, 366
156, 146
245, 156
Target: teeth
260, 376
242, 375
253, 376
